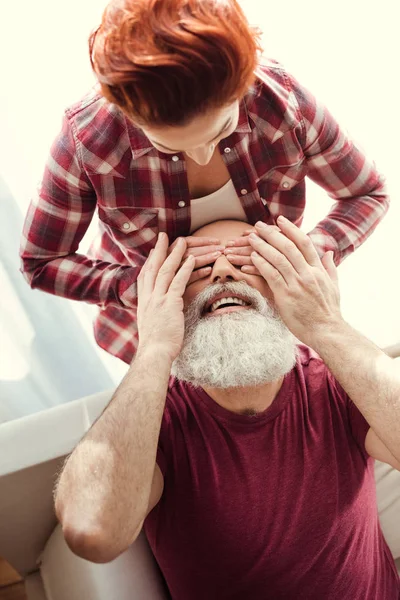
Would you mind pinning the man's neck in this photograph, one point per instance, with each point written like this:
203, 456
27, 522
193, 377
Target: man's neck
246, 400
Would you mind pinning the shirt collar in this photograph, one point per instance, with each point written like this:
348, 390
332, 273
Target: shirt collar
141, 144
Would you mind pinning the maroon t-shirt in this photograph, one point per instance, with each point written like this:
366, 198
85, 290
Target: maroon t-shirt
279, 506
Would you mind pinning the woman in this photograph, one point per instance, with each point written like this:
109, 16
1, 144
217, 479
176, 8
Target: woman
187, 126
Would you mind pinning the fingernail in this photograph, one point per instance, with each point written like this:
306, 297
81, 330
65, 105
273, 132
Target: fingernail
229, 250
216, 254
253, 236
262, 225
161, 236
220, 248
230, 243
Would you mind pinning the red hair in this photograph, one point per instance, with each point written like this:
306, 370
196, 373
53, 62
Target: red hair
163, 62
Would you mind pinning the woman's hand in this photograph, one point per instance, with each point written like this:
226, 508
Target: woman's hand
205, 250
238, 251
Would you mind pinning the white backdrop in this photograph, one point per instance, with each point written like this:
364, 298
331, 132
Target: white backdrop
346, 53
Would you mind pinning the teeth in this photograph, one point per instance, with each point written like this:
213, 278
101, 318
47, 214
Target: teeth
230, 300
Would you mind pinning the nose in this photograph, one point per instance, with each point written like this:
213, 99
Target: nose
224, 271
202, 155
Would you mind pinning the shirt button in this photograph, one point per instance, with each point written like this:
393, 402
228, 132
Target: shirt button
285, 185
227, 150
181, 203
126, 226
243, 192
175, 158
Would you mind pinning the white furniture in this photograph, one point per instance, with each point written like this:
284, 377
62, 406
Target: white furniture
32, 452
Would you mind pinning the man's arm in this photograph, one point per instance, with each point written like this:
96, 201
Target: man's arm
306, 294
111, 481
103, 493
371, 379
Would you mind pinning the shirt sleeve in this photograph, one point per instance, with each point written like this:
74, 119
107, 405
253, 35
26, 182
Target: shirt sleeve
336, 164
164, 439
359, 426
56, 221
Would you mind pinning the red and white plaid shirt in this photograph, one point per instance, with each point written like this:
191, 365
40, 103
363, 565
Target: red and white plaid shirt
100, 160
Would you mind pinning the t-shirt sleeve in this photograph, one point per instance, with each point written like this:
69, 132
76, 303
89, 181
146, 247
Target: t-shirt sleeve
358, 424
161, 460
162, 447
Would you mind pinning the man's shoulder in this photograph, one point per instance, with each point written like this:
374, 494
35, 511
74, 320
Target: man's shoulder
316, 375
311, 364
179, 391
306, 355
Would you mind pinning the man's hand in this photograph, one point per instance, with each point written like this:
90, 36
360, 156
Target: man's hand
305, 288
161, 284
205, 250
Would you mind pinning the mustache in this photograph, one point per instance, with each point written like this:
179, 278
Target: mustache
240, 288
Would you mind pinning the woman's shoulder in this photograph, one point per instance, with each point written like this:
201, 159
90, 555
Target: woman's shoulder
272, 97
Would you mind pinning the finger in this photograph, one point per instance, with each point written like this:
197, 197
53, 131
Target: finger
243, 251
284, 245
207, 259
152, 265
199, 274
274, 279
251, 270
141, 273
238, 242
238, 260
193, 241
167, 270
203, 250
330, 267
180, 280
275, 258
243, 240
302, 241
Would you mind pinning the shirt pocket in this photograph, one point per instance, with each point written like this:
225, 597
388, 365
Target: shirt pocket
131, 228
282, 190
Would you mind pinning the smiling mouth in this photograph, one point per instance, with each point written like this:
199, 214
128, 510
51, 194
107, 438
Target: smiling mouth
225, 305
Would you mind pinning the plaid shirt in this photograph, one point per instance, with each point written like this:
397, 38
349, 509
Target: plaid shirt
100, 160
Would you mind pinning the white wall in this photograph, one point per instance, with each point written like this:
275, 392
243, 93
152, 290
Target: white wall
345, 52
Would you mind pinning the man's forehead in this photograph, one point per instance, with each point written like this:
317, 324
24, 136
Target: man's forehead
223, 230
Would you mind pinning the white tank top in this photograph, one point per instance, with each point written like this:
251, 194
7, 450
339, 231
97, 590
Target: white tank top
222, 204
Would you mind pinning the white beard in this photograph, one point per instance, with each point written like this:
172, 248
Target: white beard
248, 347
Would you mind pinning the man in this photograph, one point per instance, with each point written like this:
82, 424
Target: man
259, 483
187, 125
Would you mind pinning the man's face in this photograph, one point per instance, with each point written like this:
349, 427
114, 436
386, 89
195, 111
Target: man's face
222, 270
234, 337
